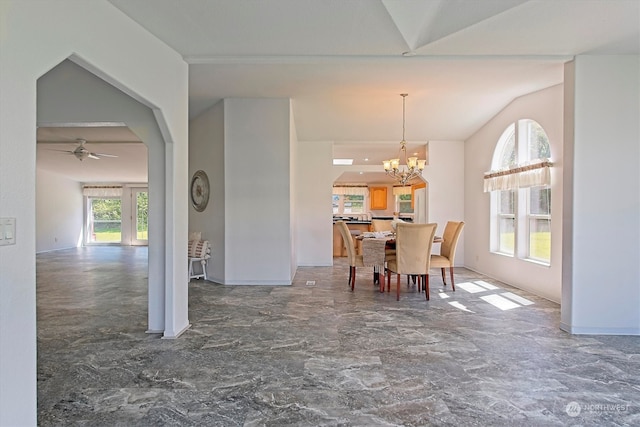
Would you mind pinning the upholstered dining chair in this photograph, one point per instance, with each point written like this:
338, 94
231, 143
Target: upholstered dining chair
382, 225
355, 260
413, 254
448, 250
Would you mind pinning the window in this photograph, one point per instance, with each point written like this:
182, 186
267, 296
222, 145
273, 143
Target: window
539, 223
403, 199
140, 232
116, 214
506, 221
105, 220
521, 210
349, 200
403, 202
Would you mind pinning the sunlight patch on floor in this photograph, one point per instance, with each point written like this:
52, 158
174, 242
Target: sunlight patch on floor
460, 306
443, 295
486, 285
500, 302
517, 298
472, 288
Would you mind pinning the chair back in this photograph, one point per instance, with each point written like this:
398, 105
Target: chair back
450, 239
413, 247
348, 241
381, 225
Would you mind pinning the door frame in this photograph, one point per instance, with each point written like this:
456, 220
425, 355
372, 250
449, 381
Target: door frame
134, 241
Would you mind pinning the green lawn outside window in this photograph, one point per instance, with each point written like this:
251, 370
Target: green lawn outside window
540, 245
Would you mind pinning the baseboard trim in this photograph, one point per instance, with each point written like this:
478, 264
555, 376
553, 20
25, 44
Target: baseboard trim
581, 330
172, 337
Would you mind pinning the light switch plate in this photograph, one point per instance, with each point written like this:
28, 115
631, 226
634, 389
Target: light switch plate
7, 231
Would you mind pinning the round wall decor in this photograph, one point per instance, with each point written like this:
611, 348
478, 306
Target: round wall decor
200, 190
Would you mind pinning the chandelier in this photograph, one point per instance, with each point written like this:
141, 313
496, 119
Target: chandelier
412, 167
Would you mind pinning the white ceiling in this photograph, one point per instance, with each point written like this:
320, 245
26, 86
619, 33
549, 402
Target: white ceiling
54, 153
342, 63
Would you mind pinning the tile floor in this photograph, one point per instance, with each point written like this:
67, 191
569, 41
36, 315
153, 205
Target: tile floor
317, 355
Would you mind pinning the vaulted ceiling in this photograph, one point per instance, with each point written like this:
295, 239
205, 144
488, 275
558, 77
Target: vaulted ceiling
344, 63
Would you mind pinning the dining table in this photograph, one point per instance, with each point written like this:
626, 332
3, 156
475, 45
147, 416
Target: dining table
374, 247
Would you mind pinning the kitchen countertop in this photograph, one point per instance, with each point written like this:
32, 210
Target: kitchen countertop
352, 221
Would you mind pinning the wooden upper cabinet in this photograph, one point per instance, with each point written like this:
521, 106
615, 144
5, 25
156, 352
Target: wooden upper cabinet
378, 198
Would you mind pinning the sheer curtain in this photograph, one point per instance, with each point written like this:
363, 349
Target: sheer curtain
531, 174
102, 190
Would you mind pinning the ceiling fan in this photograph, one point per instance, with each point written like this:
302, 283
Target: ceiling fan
81, 152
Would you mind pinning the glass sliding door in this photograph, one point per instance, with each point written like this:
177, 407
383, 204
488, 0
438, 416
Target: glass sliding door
140, 223
104, 220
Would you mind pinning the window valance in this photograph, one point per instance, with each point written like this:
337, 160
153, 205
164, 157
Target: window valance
397, 191
102, 190
358, 190
532, 174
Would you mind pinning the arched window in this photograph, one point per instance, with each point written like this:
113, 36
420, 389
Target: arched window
520, 201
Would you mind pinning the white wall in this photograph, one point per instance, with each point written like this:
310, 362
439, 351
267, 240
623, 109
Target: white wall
293, 193
257, 183
314, 173
59, 219
248, 149
601, 289
36, 37
545, 107
206, 152
445, 181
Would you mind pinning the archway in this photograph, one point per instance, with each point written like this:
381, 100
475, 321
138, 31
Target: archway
69, 95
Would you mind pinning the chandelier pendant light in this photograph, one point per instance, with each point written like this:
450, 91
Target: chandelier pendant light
412, 167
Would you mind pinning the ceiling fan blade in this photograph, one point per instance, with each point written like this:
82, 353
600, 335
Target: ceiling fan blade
104, 155
93, 156
61, 151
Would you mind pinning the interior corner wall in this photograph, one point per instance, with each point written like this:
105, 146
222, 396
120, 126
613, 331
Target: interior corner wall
59, 218
314, 175
603, 285
206, 152
566, 309
293, 191
257, 191
445, 180
546, 108
36, 36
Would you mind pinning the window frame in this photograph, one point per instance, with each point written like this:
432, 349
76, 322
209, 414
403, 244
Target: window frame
537, 217
341, 201
89, 240
399, 203
499, 242
517, 138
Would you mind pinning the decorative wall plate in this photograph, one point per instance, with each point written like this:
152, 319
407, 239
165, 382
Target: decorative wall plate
200, 190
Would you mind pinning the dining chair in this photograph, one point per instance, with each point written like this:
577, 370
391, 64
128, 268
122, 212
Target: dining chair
448, 246
413, 254
381, 225
355, 260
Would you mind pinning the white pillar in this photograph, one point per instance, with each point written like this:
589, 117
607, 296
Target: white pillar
601, 230
257, 192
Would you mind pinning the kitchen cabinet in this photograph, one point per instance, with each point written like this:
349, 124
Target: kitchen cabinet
378, 198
